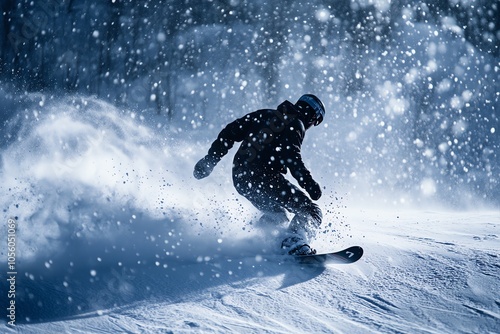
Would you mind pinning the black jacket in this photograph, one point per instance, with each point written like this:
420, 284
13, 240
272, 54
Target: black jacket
271, 142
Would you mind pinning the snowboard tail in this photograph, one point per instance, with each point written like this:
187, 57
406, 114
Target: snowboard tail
345, 256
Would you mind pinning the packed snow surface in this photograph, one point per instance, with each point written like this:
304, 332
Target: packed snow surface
423, 272
115, 235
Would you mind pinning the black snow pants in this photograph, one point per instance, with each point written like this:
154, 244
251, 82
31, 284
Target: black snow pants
273, 194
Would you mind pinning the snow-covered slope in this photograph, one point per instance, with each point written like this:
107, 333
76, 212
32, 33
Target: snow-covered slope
114, 235
423, 272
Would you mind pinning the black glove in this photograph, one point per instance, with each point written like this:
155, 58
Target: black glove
314, 191
204, 167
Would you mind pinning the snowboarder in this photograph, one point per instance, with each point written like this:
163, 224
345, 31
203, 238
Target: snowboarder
271, 144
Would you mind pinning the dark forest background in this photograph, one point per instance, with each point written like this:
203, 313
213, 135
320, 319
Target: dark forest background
91, 47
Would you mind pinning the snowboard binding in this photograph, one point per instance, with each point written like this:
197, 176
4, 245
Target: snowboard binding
296, 246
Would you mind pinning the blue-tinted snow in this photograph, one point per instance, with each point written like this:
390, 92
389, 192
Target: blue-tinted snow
105, 108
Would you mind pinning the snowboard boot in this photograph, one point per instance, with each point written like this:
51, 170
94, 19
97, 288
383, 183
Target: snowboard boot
296, 246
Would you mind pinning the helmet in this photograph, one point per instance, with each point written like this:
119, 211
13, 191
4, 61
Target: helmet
313, 102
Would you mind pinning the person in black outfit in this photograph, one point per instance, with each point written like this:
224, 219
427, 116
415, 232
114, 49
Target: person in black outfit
271, 141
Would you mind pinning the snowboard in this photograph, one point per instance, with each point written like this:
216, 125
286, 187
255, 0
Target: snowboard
345, 256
